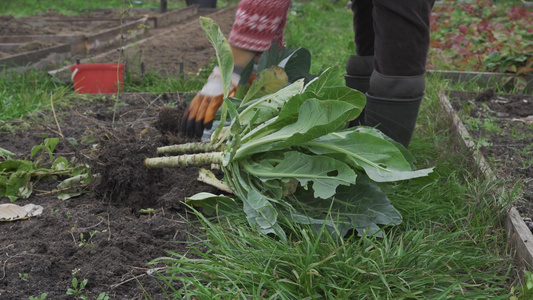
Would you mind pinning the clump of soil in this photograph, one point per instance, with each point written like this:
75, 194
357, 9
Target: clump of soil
485, 95
169, 119
124, 180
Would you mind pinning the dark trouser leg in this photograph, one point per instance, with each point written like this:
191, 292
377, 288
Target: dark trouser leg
363, 27
401, 36
397, 84
359, 67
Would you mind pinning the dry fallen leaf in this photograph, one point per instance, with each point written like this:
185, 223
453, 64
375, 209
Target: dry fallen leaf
527, 120
12, 212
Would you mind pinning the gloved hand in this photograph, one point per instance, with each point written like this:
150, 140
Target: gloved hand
201, 111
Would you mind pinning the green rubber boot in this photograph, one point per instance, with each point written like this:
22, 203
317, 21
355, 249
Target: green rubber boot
392, 105
359, 69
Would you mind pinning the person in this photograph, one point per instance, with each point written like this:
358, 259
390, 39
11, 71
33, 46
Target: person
392, 42
258, 25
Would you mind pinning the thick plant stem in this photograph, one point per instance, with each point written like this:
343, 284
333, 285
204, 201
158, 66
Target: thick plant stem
208, 177
186, 148
185, 160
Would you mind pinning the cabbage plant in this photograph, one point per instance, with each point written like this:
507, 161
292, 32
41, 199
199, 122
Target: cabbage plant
290, 153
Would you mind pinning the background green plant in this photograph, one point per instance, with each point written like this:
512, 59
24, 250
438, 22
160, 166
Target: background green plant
482, 36
42, 297
78, 289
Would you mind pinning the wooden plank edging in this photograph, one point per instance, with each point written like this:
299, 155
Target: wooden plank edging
481, 77
37, 59
136, 43
519, 237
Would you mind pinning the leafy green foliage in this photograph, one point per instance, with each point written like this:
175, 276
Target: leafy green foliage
289, 153
42, 297
78, 289
482, 36
525, 291
18, 176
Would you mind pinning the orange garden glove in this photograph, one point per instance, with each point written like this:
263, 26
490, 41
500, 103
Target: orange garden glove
201, 111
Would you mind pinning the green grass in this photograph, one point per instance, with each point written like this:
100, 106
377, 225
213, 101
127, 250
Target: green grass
24, 94
324, 29
29, 92
450, 244
22, 8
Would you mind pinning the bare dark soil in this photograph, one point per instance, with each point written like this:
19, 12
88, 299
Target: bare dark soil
503, 126
103, 235
118, 240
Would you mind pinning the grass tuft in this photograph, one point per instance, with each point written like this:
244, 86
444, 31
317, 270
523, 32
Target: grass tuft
28, 92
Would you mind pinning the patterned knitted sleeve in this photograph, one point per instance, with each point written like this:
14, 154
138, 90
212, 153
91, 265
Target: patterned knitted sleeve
259, 24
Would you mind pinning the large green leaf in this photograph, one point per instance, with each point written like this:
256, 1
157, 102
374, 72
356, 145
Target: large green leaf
211, 203
287, 115
362, 207
380, 159
225, 62
325, 173
290, 110
345, 94
329, 78
268, 107
315, 118
258, 208
260, 211
222, 49
374, 131
297, 65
